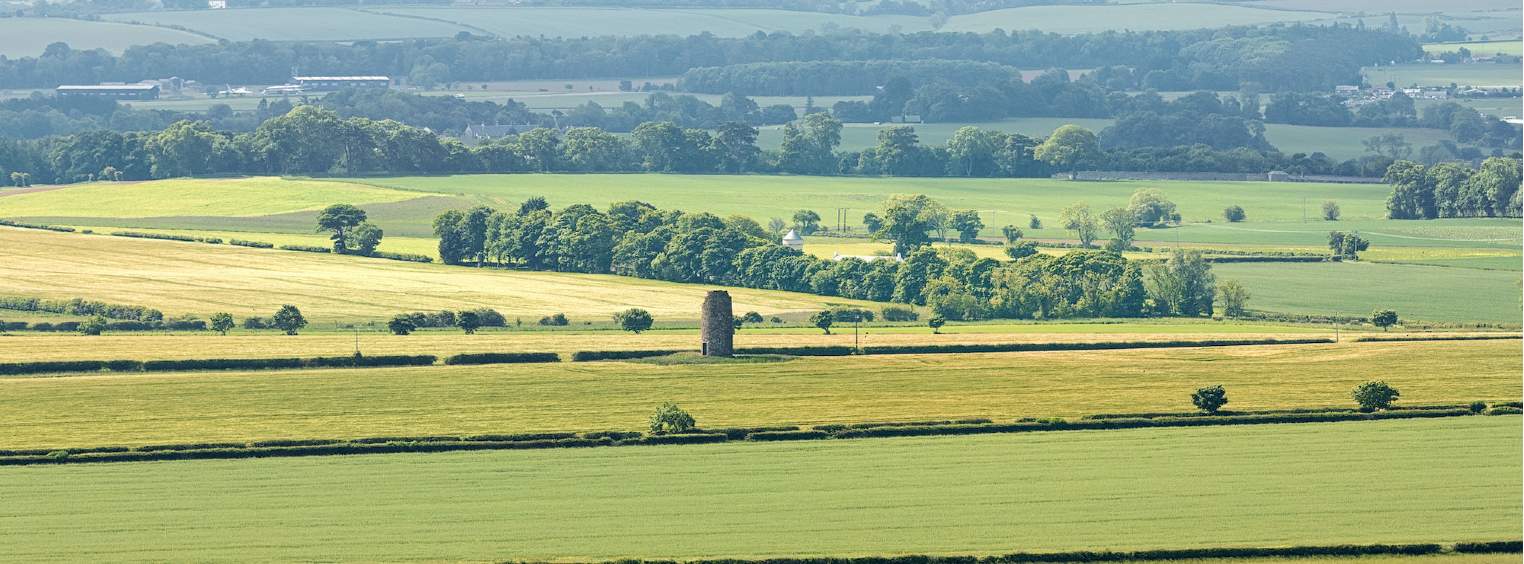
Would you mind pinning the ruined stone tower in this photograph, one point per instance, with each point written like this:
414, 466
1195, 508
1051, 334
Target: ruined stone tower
717, 325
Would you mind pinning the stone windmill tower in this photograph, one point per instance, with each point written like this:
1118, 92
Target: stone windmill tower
717, 325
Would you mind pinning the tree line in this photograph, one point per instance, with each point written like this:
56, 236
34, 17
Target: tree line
1454, 189
1274, 57
636, 239
313, 140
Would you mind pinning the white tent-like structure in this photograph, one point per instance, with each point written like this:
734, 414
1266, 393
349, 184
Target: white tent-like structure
793, 241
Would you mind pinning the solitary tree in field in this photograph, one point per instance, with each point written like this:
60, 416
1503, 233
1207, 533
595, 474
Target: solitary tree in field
1232, 296
222, 322
468, 321
823, 319
1375, 395
1211, 399
1330, 211
935, 323
1384, 318
1347, 245
806, 222
669, 418
1122, 225
338, 220
633, 320
289, 319
1077, 218
401, 325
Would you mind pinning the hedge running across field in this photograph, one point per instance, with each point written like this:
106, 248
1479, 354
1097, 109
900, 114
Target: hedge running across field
355, 361
1136, 556
502, 358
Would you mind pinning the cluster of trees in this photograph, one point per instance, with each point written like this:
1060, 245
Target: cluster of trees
1454, 189
1201, 118
636, 239
40, 116
451, 115
1276, 57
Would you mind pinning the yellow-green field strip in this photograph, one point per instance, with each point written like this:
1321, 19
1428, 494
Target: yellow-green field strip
1446, 480
241, 406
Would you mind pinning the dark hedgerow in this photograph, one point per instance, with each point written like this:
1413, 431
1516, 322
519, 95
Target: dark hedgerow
588, 356
502, 358
798, 351
305, 248
1512, 546
251, 244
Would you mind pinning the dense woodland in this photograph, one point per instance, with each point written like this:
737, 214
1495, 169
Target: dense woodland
1273, 58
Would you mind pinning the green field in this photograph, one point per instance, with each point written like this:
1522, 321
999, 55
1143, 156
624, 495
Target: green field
27, 37
158, 408
1429, 74
1498, 107
1253, 486
1478, 48
1423, 293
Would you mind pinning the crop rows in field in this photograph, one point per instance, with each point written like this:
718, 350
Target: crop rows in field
1254, 486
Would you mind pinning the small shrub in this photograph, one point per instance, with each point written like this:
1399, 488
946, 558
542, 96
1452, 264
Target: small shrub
669, 418
1478, 406
633, 320
899, 313
1234, 214
222, 322
93, 326
254, 322
556, 320
1375, 395
1330, 211
1210, 399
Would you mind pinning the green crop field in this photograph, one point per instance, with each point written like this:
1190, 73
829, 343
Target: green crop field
1428, 74
1478, 48
1499, 107
201, 279
27, 37
1198, 487
157, 408
1116, 17
1423, 293
242, 197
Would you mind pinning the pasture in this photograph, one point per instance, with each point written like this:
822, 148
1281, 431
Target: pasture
202, 279
1255, 486
27, 37
158, 408
1478, 48
1429, 74
1425, 293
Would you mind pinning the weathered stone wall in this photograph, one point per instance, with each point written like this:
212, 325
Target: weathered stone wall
717, 325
